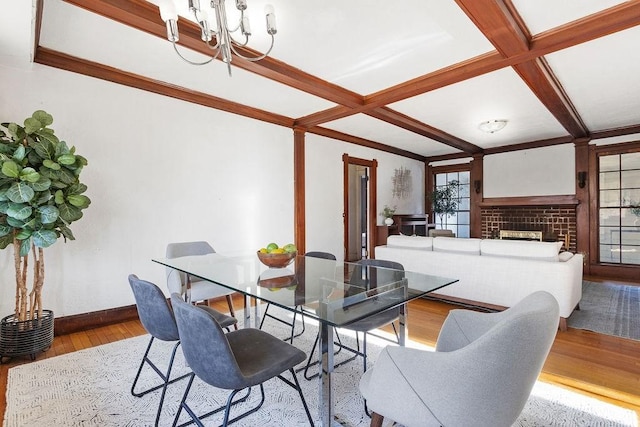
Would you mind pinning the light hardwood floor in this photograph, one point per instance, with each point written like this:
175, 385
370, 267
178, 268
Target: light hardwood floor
596, 365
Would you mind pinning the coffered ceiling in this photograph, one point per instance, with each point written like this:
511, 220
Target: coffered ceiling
414, 77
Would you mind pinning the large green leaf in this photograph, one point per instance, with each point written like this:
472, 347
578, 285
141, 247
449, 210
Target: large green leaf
43, 198
15, 223
23, 234
47, 135
43, 148
43, 117
59, 197
62, 149
19, 211
19, 153
48, 214
6, 241
31, 125
19, 192
66, 176
69, 213
42, 184
25, 247
66, 232
11, 169
5, 229
4, 206
44, 238
67, 159
79, 200
16, 131
51, 164
29, 174
77, 188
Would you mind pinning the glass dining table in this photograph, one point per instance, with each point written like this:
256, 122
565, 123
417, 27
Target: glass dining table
334, 293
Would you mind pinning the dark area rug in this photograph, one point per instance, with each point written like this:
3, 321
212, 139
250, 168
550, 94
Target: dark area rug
608, 309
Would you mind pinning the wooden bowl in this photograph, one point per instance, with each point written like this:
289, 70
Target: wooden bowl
276, 260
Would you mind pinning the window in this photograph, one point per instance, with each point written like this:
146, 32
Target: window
619, 208
459, 221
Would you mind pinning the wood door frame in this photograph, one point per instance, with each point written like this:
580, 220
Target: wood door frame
373, 201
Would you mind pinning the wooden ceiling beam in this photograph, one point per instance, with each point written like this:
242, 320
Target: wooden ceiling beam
617, 18
63, 61
498, 24
145, 16
504, 28
398, 119
334, 134
620, 131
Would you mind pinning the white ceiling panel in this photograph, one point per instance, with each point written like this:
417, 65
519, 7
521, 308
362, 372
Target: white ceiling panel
542, 15
376, 130
16, 33
128, 49
366, 46
459, 109
601, 78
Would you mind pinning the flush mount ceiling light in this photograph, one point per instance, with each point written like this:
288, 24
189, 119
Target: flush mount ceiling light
492, 126
213, 24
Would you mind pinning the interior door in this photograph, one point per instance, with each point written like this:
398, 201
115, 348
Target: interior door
359, 207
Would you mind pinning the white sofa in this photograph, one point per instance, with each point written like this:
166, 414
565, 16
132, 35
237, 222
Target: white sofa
492, 272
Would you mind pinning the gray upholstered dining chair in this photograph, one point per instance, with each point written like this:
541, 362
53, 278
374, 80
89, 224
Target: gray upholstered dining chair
364, 277
481, 373
235, 361
300, 281
201, 290
157, 318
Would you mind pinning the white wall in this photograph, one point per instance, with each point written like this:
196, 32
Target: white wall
535, 172
160, 170
324, 189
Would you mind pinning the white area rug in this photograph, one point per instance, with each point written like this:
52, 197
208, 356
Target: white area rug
91, 388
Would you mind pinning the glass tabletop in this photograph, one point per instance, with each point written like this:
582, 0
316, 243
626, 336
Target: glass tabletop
334, 292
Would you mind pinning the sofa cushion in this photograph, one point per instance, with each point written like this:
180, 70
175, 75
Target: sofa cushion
413, 242
542, 251
565, 256
457, 245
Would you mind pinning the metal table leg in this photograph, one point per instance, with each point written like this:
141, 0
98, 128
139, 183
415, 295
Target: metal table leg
325, 348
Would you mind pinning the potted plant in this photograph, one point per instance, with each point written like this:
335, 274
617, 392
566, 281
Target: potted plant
40, 196
387, 214
444, 200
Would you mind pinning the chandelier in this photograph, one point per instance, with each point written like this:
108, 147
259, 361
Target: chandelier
218, 28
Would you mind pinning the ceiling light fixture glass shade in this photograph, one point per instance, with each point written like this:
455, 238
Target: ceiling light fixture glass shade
213, 25
492, 126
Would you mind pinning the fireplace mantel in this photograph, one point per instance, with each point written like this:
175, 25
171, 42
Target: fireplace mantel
568, 200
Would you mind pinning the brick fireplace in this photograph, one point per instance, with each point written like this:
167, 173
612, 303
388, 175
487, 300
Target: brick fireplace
553, 221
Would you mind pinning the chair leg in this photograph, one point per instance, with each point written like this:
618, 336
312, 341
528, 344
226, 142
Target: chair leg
232, 311
376, 420
304, 402
164, 376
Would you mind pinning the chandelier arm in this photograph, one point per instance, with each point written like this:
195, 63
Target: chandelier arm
175, 47
258, 58
237, 43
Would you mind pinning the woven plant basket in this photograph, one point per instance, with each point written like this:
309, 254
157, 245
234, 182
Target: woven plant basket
28, 337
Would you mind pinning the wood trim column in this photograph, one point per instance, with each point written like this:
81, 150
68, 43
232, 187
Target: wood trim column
299, 201
583, 223
476, 175
373, 203
428, 188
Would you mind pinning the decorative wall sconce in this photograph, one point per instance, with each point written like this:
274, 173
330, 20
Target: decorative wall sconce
582, 179
477, 185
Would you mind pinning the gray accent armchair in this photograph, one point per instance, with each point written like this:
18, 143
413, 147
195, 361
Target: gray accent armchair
481, 373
